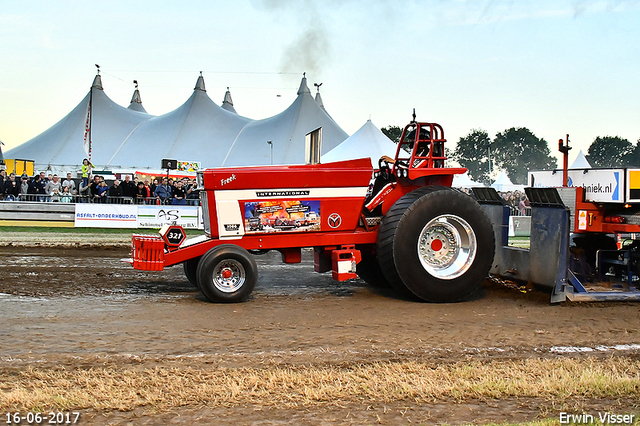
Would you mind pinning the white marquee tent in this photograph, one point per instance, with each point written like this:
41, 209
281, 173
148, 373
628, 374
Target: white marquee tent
504, 184
464, 181
286, 131
368, 141
197, 131
580, 162
62, 143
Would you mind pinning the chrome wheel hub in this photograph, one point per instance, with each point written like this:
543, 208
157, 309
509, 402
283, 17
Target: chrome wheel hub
447, 246
229, 276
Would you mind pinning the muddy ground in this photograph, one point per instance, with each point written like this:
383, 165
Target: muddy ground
83, 307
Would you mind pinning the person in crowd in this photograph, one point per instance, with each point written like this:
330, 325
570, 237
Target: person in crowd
37, 187
524, 205
3, 179
87, 167
193, 197
128, 187
25, 186
11, 187
153, 186
141, 193
103, 191
84, 192
70, 183
48, 178
65, 196
149, 191
115, 192
163, 192
93, 191
179, 196
53, 188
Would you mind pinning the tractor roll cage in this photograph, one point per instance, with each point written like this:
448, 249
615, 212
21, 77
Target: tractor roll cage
425, 144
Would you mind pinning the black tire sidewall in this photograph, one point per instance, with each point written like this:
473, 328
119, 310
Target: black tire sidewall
216, 255
191, 270
405, 246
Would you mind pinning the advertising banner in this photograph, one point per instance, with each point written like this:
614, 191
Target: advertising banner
156, 216
90, 215
605, 185
188, 166
279, 216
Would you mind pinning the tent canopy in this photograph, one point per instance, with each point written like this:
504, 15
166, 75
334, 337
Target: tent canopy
368, 141
580, 162
197, 131
464, 181
504, 184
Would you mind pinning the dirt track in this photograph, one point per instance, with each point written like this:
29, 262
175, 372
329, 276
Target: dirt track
80, 308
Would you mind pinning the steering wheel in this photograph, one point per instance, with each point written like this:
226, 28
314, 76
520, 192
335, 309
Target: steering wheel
385, 169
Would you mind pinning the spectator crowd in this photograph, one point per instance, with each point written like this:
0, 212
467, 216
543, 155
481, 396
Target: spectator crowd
51, 188
517, 201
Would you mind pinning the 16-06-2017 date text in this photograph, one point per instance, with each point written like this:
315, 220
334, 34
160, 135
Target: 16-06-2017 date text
50, 418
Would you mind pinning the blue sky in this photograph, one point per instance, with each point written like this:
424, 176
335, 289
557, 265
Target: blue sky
555, 67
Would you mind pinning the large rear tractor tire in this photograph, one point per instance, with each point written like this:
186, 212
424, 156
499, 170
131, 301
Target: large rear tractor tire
437, 244
368, 269
227, 273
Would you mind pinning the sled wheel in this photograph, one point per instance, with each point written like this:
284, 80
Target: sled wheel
437, 243
227, 273
191, 270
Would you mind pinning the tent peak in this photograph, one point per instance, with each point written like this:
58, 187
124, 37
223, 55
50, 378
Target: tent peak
227, 103
200, 83
97, 82
318, 97
136, 100
136, 97
303, 85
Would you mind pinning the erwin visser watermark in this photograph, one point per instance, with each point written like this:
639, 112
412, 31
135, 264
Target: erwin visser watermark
604, 418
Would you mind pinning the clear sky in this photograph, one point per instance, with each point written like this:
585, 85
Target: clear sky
555, 67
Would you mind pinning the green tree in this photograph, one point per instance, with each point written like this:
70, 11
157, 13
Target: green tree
517, 151
472, 152
393, 132
633, 158
610, 151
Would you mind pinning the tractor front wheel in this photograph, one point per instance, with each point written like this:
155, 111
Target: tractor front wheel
227, 273
191, 271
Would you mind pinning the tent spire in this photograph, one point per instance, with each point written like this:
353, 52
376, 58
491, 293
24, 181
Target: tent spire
318, 97
303, 85
200, 83
227, 103
136, 100
97, 81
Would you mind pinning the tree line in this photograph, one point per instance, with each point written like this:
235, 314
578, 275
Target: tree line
517, 150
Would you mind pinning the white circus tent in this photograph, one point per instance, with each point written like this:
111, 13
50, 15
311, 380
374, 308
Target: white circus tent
368, 141
286, 133
504, 184
197, 131
580, 162
464, 181
62, 144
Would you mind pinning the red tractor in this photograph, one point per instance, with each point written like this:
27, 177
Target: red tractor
408, 229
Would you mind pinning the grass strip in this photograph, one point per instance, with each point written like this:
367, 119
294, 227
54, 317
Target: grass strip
161, 388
